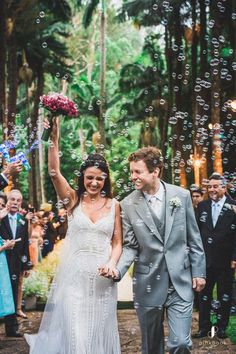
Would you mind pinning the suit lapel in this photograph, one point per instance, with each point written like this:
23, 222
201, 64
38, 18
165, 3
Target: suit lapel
169, 214
222, 213
8, 227
145, 214
18, 225
209, 221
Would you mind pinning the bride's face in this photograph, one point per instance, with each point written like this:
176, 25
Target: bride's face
94, 180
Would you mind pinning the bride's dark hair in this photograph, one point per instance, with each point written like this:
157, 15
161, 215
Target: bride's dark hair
98, 161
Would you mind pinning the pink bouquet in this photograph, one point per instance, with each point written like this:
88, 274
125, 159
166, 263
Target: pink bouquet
57, 104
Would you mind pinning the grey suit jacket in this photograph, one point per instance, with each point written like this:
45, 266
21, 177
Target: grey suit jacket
178, 257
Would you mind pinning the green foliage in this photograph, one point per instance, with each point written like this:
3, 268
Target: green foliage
88, 13
37, 284
231, 329
124, 142
143, 81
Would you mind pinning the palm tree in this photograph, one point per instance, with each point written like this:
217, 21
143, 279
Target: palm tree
91, 6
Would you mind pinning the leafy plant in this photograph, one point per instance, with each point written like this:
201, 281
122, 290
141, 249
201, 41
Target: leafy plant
36, 284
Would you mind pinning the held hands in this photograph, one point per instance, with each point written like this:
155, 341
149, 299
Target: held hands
108, 270
8, 244
198, 284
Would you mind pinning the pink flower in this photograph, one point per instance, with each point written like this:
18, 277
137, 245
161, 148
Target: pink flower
59, 104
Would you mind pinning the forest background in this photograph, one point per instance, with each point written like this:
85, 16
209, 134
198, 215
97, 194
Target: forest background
142, 72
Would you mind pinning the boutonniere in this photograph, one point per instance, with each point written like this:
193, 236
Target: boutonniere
21, 221
175, 203
229, 206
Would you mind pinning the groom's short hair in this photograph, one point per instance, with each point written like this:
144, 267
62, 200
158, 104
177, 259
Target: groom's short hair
151, 156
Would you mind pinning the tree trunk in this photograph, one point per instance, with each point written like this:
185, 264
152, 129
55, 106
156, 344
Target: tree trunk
102, 111
3, 34
169, 61
91, 56
36, 195
42, 197
12, 83
203, 70
178, 97
196, 109
216, 91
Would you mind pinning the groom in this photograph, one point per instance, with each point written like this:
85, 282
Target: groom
161, 237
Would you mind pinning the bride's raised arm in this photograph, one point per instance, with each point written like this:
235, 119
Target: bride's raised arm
62, 187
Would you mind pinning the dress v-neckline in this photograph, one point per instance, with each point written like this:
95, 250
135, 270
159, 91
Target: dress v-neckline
103, 217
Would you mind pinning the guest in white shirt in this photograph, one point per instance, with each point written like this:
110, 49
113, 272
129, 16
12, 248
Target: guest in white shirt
217, 220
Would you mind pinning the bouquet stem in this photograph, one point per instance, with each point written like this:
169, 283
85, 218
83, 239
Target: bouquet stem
46, 132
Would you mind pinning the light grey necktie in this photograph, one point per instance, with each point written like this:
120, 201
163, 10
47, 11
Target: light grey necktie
156, 205
12, 220
215, 213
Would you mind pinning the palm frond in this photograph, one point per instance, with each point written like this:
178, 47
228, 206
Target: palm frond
88, 13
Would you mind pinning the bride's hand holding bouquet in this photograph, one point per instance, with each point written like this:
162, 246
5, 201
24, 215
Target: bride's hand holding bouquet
52, 126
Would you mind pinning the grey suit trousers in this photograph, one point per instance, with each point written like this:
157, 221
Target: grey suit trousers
179, 316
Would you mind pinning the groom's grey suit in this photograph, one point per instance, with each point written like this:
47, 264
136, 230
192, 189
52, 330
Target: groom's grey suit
167, 254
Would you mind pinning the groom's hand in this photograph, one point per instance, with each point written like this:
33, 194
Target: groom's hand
199, 284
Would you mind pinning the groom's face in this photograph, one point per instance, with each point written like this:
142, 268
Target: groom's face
141, 177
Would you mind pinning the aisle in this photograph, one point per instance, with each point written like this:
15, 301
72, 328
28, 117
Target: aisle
129, 333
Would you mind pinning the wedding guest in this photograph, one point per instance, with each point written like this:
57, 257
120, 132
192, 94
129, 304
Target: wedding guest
49, 235
217, 221
196, 195
11, 169
14, 227
7, 306
35, 239
61, 225
80, 315
24, 211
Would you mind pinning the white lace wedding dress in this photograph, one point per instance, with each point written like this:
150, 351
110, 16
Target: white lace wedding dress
80, 315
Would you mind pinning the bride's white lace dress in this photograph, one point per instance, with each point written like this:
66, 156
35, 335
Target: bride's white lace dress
80, 315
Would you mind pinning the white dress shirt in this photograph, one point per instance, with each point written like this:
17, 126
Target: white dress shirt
216, 208
156, 200
13, 223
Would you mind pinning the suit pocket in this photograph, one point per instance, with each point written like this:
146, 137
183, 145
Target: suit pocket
187, 263
142, 268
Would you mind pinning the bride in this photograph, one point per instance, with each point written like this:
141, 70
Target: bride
80, 315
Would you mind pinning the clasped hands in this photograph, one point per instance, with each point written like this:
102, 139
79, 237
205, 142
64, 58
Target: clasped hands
108, 270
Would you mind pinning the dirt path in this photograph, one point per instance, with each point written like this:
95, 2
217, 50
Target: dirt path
129, 334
